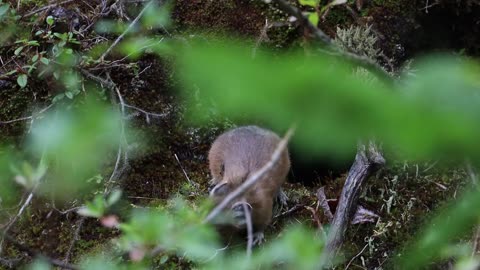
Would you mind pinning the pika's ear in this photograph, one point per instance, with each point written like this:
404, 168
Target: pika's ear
221, 189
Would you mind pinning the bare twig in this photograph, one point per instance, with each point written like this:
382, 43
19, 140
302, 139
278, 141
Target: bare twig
130, 26
147, 114
289, 211
317, 220
184, 172
427, 5
46, 7
356, 256
248, 221
122, 147
17, 216
254, 178
30, 117
263, 37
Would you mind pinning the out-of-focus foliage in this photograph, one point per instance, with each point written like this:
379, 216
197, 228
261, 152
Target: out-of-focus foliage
74, 143
333, 108
296, 248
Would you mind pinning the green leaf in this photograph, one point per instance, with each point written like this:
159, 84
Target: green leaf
89, 212
58, 97
313, 18
3, 9
50, 20
35, 58
311, 3
18, 50
22, 80
69, 94
45, 61
114, 197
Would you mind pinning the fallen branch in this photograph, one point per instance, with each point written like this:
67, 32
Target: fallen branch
368, 160
254, 178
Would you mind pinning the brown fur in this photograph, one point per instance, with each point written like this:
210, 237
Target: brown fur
236, 155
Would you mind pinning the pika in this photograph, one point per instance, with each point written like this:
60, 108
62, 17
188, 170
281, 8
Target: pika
234, 156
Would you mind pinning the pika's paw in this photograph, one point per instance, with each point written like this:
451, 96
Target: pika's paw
258, 238
239, 214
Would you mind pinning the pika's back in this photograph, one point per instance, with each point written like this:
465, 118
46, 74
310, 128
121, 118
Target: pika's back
241, 151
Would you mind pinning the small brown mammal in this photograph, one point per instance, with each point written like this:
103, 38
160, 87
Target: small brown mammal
237, 154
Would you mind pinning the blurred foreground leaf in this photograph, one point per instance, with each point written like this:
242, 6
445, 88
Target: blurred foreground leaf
434, 114
75, 143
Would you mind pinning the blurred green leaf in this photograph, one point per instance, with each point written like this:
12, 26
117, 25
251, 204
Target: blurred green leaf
39, 264
332, 106
22, 80
50, 20
311, 3
157, 16
76, 141
45, 60
3, 9
18, 50
110, 26
313, 18
114, 197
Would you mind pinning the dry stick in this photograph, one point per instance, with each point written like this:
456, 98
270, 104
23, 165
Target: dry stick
126, 31
46, 7
35, 253
24, 206
248, 220
367, 160
356, 256
325, 39
31, 117
184, 172
123, 144
258, 175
